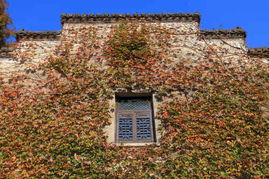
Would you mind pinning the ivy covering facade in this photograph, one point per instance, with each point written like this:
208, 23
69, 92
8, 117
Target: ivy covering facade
53, 114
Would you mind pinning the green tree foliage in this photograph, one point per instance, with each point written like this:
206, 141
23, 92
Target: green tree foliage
211, 127
5, 20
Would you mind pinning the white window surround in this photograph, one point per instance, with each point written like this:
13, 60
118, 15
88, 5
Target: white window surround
111, 129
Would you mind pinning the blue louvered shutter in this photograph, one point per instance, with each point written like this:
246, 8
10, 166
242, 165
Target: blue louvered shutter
134, 120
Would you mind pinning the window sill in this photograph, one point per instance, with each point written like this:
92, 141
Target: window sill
136, 144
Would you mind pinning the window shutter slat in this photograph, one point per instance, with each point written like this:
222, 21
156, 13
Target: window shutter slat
134, 120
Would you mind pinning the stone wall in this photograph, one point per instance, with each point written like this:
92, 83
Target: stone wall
188, 42
260, 53
31, 49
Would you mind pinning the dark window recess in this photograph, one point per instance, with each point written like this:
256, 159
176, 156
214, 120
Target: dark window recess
134, 120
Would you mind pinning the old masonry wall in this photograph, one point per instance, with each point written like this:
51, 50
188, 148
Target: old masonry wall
188, 42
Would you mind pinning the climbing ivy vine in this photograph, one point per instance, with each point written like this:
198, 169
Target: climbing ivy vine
212, 123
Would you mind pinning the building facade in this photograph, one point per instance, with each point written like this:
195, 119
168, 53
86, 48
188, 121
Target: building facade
133, 120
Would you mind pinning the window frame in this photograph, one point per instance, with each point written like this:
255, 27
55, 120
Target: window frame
129, 96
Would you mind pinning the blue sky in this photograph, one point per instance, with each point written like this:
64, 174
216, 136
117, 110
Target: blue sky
251, 15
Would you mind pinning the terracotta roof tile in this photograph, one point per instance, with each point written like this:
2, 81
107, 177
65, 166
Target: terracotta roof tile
262, 52
6, 52
218, 34
38, 35
109, 18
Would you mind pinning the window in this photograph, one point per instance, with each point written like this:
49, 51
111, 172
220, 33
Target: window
134, 120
